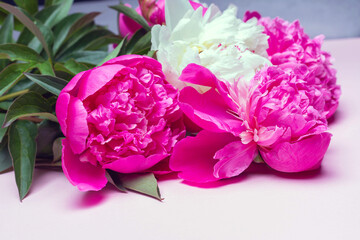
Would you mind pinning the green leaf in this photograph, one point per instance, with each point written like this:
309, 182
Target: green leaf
52, 2
73, 39
151, 54
143, 45
50, 83
114, 53
28, 105
62, 29
18, 26
28, 23
2, 130
5, 159
83, 42
57, 149
82, 22
90, 57
144, 183
45, 68
103, 42
12, 74
29, 5
6, 30
114, 179
139, 34
19, 52
5, 105
49, 15
131, 13
64, 6
22, 147
48, 35
75, 67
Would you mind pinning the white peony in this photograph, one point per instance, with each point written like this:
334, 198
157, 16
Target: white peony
227, 46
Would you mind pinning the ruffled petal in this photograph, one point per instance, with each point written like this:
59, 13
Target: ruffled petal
135, 163
62, 110
303, 155
193, 157
234, 158
76, 125
97, 78
84, 175
209, 111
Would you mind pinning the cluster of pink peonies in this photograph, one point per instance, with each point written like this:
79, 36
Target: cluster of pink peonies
126, 117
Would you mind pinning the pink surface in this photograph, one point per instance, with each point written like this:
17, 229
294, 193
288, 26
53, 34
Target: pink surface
260, 204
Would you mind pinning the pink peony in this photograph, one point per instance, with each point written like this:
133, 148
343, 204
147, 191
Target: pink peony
152, 10
278, 117
289, 43
121, 116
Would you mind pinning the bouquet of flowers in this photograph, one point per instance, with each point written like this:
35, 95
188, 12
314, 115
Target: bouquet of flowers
186, 89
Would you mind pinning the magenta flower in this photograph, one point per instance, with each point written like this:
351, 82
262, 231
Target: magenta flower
289, 43
121, 116
152, 10
278, 116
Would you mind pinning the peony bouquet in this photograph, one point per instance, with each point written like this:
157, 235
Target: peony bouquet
187, 89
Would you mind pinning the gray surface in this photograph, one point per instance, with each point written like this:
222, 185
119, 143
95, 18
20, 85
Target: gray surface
333, 18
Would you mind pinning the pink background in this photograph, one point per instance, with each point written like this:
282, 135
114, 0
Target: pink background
260, 204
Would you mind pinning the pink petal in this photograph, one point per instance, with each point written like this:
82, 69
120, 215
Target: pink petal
134, 163
234, 158
96, 78
77, 128
73, 82
193, 157
131, 60
199, 75
299, 156
85, 176
62, 110
127, 26
208, 111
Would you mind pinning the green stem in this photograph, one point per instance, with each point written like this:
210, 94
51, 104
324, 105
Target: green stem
12, 95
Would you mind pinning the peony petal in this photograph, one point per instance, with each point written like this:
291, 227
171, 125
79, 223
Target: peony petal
196, 74
299, 156
61, 110
193, 156
132, 60
85, 176
135, 163
127, 26
96, 79
209, 111
174, 12
77, 128
72, 85
234, 158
